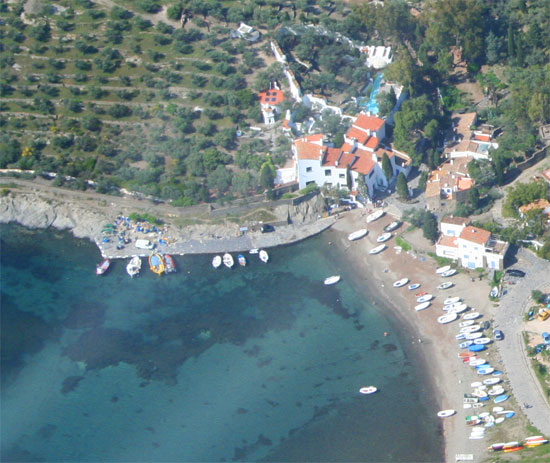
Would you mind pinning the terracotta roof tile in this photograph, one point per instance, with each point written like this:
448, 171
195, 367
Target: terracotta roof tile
538, 204
306, 150
371, 123
475, 235
332, 156
271, 97
359, 135
363, 165
449, 241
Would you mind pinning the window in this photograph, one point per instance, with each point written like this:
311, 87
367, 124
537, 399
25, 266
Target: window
342, 176
328, 172
466, 257
451, 233
309, 169
471, 265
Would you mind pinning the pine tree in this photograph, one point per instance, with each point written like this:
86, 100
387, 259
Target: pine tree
267, 176
429, 227
401, 187
511, 43
386, 167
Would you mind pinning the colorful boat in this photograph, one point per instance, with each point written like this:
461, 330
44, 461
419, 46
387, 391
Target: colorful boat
134, 266
368, 390
512, 449
170, 263
241, 260
156, 264
103, 267
500, 398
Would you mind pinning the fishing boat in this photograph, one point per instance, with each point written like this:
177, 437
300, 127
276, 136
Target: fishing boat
451, 300
264, 256
445, 285
254, 251
422, 306
494, 292
241, 260
471, 316
448, 273
491, 381
375, 216
368, 390
401, 282
476, 347
441, 270
482, 341
392, 226
156, 263
228, 260
445, 413
377, 249
447, 318
414, 286
103, 267
357, 235
465, 344
500, 398
134, 266
332, 280
383, 238
170, 263
216, 261
466, 323
425, 298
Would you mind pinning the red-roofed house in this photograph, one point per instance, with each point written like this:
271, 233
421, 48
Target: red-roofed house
269, 101
448, 184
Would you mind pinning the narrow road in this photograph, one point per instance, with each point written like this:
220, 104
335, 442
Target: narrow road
509, 318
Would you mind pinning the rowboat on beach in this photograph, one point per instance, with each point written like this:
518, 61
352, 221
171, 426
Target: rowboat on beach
425, 298
466, 323
401, 282
383, 238
451, 306
482, 341
449, 273
377, 249
332, 280
535, 443
264, 256
228, 260
170, 263
441, 270
445, 285
475, 363
445, 413
465, 344
356, 235
470, 329
103, 267
473, 336
451, 300
421, 293
392, 226
422, 306
491, 381
216, 261
485, 371
134, 266
476, 347
414, 286
375, 216
447, 318
471, 316
156, 263
500, 398
527, 439
368, 390
500, 420
461, 308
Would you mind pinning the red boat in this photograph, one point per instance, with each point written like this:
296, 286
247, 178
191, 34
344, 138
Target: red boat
103, 267
423, 293
170, 263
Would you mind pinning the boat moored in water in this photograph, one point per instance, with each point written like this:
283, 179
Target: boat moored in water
332, 280
264, 256
241, 260
228, 260
156, 264
134, 266
103, 267
170, 263
368, 390
216, 261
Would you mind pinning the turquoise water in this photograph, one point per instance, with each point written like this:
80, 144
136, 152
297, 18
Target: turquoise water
255, 364
372, 104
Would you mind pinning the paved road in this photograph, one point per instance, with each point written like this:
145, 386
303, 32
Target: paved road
509, 318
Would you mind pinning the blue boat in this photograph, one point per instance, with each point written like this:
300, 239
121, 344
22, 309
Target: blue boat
476, 348
500, 398
510, 414
242, 260
485, 365
465, 344
497, 373
483, 399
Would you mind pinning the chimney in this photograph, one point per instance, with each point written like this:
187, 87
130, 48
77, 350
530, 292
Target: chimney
368, 132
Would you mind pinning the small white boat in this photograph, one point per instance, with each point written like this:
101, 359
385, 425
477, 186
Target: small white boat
470, 329
451, 300
494, 391
103, 267
461, 308
441, 270
448, 273
383, 238
445, 285
491, 381
466, 406
466, 323
375, 216
499, 420
228, 260
447, 318
401, 282
471, 316
446, 413
473, 336
392, 226
494, 292
254, 251
216, 261
134, 266
452, 306
425, 298
414, 286
357, 235
332, 280
377, 249
470, 400
504, 412
475, 363
482, 341
465, 344
264, 256
422, 306
478, 405
530, 438
368, 390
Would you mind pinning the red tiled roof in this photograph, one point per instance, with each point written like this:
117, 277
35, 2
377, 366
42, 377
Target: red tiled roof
285, 124
314, 138
372, 143
449, 241
464, 183
332, 156
359, 135
363, 165
346, 159
455, 220
306, 150
546, 174
475, 235
371, 123
538, 204
482, 137
346, 148
271, 97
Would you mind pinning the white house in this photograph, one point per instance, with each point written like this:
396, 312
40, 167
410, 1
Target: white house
269, 103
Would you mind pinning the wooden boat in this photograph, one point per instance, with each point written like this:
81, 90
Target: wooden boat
241, 260
228, 260
491, 381
422, 306
332, 280
447, 318
356, 235
448, 273
401, 282
377, 249
375, 216
466, 323
134, 266
216, 261
170, 263
392, 226
264, 256
445, 413
451, 300
500, 398
383, 238
471, 316
425, 298
368, 390
445, 285
441, 270
482, 341
103, 267
476, 347
414, 286
156, 263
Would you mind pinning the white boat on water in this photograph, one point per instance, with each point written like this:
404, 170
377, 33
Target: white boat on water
264, 256
414, 286
446, 413
216, 261
445, 285
449, 273
422, 306
332, 280
451, 300
447, 318
471, 316
356, 235
368, 390
228, 260
377, 249
441, 270
401, 282
375, 216
134, 266
383, 238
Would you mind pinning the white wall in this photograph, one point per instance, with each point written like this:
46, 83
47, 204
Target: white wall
471, 254
450, 229
304, 177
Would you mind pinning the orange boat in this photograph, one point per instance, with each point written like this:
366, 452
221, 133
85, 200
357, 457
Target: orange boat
156, 263
513, 449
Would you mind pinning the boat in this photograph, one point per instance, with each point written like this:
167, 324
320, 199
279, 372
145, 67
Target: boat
484, 415
377, 249
460, 337
170, 263
473, 336
478, 405
357, 235
449, 273
482, 341
103, 267
496, 391
535, 443
156, 263
485, 371
504, 412
368, 390
469, 329
471, 316
466, 323
470, 400
422, 306
512, 449
216, 261
444, 269
497, 373
459, 309
241, 260
451, 306
466, 406
383, 238
491, 381
134, 266
476, 384
414, 286
254, 251
401, 282
464, 345
475, 363
392, 226
494, 292
446, 413
451, 300
375, 216
447, 318
500, 398
476, 347
425, 298
499, 420
332, 280
421, 293
445, 285
264, 256
527, 439
228, 260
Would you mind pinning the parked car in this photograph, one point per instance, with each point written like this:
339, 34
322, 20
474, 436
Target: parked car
546, 337
266, 228
485, 325
499, 335
515, 272
543, 315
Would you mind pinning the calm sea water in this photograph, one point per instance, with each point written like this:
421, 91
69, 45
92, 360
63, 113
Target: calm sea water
255, 364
